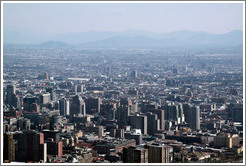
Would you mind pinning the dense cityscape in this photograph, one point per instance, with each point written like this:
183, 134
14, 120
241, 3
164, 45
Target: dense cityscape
75, 105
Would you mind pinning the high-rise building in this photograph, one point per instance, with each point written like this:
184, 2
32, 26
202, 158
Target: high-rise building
122, 114
153, 123
112, 132
120, 133
135, 155
186, 108
157, 153
134, 107
92, 105
23, 124
54, 148
12, 99
237, 113
30, 104
195, 118
10, 93
174, 112
148, 107
52, 93
181, 117
125, 102
175, 70
64, 107
30, 146
80, 88
8, 148
54, 134
108, 69
138, 121
44, 98
55, 120
226, 140
105, 109
192, 116
134, 74
46, 76
78, 106
161, 116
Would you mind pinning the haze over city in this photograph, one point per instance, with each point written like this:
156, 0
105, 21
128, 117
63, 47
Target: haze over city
123, 83
46, 20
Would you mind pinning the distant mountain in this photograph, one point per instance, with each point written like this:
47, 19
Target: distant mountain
54, 44
91, 36
124, 42
129, 39
174, 39
31, 36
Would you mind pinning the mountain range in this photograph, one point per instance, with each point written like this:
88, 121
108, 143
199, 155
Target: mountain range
130, 39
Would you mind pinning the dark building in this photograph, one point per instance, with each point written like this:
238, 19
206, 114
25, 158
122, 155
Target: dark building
23, 124
125, 102
12, 99
148, 107
80, 88
46, 76
55, 120
112, 132
122, 114
134, 74
64, 107
139, 122
172, 112
237, 113
186, 108
30, 146
30, 104
192, 116
92, 105
54, 134
35, 117
105, 109
135, 155
194, 122
106, 147
175, 71
54, 148
133, 92
157, 153
120, 133
161, 116
153, 123
8, 147
52, 93
184, 139
10, 93
108, 69
78, 106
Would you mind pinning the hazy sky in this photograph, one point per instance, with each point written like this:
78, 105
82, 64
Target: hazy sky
161, 17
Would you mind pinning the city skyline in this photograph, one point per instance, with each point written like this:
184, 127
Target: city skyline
123, 83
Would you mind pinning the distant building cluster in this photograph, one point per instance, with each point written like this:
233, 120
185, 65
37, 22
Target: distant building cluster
121, 106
